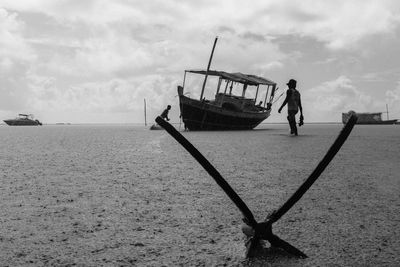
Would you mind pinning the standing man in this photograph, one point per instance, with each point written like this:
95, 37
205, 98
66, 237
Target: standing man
164, 115
294, 104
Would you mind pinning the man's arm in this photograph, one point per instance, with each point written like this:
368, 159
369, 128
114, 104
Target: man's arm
300, 107
284, 102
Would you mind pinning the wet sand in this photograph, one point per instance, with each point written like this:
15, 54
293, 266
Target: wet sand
126, 196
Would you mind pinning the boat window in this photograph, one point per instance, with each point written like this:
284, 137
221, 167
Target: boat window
194, 83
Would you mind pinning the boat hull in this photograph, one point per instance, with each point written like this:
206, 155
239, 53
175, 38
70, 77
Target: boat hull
202, 115
368, 119
388, 122
22, 122
156, 127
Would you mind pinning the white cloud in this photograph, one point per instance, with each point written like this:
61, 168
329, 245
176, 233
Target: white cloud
13, 47
393, 102
114, 96
339, 24
264, 68
328, 100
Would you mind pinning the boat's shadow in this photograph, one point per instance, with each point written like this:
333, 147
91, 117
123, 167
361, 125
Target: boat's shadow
269, 131
282, 133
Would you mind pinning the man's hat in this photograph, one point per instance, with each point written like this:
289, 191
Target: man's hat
292, 82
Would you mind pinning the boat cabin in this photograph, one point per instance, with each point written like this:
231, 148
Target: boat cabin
226, 99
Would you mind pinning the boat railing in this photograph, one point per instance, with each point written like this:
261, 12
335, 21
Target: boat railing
25, 116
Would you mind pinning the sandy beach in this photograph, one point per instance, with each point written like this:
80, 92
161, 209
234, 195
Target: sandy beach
121, 195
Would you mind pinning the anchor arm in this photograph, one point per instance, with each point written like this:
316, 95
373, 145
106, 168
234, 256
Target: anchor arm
317, 172
211, 171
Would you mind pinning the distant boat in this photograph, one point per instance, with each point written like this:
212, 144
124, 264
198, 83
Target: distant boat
367, 118
156, 127
227, 111
23, 120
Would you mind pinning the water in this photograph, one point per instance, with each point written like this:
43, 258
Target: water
124, 195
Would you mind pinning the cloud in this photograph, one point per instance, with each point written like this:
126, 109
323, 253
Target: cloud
338, 24
264, 68
253, 37
106, 56
328, 100
327, 21
394, 95
116, 96
382, 75
16, 56
13, 47
393, 101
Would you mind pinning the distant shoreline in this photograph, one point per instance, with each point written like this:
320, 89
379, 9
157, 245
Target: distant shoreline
173, 123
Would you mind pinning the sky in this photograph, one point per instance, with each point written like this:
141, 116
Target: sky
97, 61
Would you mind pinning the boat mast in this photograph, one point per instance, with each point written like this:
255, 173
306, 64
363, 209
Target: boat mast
145, 119
208, 68
387, 112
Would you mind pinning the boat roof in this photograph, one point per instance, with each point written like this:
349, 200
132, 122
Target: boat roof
236, 77
364, 113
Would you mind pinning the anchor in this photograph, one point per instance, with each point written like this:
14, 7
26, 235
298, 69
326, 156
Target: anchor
258, 232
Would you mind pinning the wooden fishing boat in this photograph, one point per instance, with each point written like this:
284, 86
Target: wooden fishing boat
227, 111
368, 118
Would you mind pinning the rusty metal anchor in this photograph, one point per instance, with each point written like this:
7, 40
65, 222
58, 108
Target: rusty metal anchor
256, 232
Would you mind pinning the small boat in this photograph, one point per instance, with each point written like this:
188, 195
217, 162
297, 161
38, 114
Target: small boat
367, 118
227, 111
156, 127
23, 120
